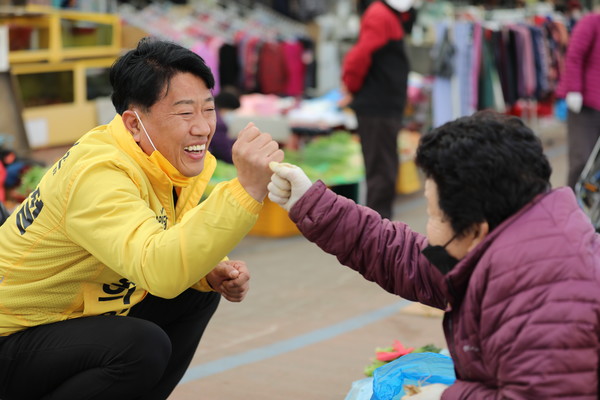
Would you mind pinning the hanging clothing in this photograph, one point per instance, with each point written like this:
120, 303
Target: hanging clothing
295, 68
229, 65
272, 69
463, 37
210, 55
442, 106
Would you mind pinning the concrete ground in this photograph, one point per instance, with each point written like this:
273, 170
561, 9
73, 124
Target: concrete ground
309, 325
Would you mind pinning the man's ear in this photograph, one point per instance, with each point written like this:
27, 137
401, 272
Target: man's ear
132, 124
479, 232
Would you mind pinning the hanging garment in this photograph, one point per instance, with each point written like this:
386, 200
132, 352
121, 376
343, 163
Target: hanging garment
295, 68
442, 57
486, 90
211, 58
476, 65
525, 61
463, 39
229, 66
541, 87
442, 105
272, 69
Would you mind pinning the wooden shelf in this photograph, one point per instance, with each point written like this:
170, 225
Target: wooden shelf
51, 26
63, 48
79, 111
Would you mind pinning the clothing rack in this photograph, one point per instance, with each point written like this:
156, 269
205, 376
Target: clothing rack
217, 32
532, 83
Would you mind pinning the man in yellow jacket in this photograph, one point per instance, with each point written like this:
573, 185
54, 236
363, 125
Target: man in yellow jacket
111, 269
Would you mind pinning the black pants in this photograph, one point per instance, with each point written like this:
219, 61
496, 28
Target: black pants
141, 356
379, 143
583, 130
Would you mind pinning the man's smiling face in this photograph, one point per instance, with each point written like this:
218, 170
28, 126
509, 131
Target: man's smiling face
181, 124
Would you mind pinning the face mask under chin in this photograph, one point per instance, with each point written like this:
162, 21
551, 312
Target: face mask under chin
176, 177
439, 256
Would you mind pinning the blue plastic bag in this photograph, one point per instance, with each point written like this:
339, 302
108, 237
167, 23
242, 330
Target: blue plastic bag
417, 369
361, 389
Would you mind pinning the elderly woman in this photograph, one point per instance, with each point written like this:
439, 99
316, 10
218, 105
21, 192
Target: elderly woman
514, 264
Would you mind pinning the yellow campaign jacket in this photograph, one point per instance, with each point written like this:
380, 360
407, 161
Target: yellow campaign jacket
101, 230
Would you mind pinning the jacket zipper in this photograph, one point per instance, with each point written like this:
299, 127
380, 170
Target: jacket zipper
450, 326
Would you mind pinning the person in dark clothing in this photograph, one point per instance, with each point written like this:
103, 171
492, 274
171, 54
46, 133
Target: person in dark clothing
221, 143
374, 81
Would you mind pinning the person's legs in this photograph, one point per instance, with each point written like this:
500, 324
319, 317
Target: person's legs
102, 357
379, 142
184, 319
583, 131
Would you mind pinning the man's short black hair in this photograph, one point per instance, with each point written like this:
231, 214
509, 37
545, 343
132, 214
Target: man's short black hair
486, 167
140, 75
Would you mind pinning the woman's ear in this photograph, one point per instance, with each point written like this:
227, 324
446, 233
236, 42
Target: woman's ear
132, 124
479, 232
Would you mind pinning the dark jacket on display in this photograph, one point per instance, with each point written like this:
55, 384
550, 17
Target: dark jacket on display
522, 308
376, 69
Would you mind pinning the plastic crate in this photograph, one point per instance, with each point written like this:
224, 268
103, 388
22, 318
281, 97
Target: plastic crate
408, 178
273, 221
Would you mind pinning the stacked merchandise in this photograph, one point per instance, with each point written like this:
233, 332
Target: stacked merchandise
19, 176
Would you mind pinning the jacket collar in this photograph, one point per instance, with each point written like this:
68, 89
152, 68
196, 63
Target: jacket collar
458, 278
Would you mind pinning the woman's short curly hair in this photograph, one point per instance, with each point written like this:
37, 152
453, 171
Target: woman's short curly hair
486, 167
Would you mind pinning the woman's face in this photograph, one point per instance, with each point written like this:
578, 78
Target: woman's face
439, 229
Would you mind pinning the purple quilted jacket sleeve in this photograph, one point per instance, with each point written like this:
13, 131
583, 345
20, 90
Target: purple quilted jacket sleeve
385, 252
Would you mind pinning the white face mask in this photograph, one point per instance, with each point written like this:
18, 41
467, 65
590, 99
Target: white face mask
400, 5
144, 129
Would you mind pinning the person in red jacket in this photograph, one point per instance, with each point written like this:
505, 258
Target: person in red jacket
580, 86
514, 264
374, 80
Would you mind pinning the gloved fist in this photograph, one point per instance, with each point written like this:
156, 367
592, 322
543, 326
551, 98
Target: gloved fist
427, 392
574, 101
288, 184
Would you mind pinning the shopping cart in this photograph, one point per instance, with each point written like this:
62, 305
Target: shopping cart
587, 188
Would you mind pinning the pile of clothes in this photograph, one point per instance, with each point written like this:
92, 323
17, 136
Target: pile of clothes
18, 175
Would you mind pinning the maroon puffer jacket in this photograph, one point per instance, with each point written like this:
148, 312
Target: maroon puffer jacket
522, 309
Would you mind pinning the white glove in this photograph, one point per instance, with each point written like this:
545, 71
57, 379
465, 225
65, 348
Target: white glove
288, 184
428, 392
574, 101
